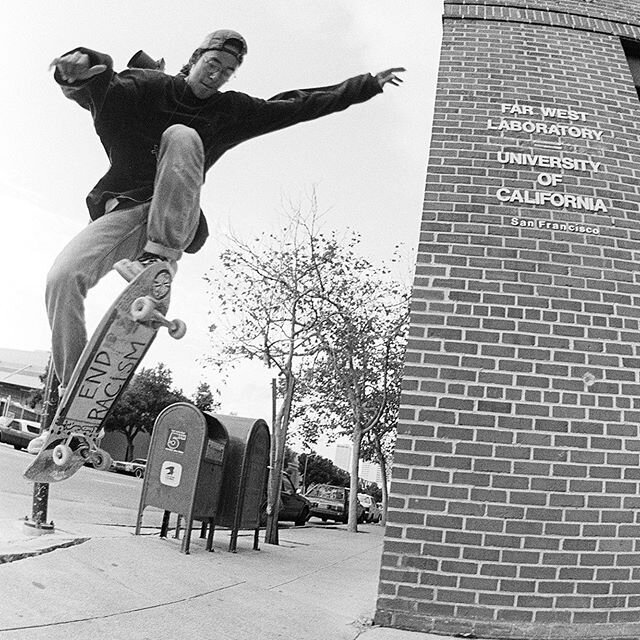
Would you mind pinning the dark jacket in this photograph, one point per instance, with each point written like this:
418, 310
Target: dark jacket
132, 109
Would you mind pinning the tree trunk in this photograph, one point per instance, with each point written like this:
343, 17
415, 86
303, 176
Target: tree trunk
275, 482
383, 471
277, 463
356, 440
128, 456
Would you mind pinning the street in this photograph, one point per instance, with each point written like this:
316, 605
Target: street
89, 497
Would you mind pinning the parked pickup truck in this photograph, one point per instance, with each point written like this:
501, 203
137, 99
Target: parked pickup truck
135, 467
18, 432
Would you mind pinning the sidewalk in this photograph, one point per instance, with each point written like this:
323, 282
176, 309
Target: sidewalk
98, 581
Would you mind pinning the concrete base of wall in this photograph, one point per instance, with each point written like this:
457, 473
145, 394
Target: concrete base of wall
461, 628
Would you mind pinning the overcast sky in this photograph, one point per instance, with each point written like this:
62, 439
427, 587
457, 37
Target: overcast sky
367, 164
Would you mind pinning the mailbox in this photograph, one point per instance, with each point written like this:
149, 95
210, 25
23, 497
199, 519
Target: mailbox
185, 468
244, 482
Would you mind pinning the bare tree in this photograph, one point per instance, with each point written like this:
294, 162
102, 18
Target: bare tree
329, 322
353, 383
266, 309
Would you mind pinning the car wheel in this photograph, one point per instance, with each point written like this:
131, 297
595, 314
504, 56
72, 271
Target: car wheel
302, 518
139, 473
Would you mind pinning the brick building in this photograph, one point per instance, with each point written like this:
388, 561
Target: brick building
515, 504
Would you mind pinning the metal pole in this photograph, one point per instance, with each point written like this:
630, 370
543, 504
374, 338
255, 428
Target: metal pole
272, 519
304, 477
274, 400
37, 524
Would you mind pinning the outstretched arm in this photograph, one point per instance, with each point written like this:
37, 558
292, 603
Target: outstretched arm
255, 117
389, 76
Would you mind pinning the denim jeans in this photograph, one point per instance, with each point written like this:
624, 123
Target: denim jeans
165, 225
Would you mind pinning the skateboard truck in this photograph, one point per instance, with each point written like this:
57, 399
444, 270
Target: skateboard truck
63, 452
144, 310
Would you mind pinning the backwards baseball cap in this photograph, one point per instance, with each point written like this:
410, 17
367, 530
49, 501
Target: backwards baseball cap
226, 40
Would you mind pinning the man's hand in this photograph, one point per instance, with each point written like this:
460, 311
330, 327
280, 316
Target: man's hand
76, 66
389, 77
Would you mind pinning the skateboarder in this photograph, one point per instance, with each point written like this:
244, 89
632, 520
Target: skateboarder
162, 133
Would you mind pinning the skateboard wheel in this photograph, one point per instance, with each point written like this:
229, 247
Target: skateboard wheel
177, 329
101, 460
142, 308
62, 454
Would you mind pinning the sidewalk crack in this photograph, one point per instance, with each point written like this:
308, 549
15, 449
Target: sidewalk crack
6, 558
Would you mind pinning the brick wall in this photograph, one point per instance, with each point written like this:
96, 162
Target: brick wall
515, 502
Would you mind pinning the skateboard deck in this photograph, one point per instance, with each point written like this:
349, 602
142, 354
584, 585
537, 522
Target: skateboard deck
106, 366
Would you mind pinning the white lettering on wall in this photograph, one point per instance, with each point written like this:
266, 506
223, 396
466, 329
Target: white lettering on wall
570, 123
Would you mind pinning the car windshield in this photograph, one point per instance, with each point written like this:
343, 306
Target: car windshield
327, 493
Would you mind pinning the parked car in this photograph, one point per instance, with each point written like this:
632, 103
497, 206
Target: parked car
379, 508
135, 467
294, 507
332, 503
375, 513
18, 432
371, 509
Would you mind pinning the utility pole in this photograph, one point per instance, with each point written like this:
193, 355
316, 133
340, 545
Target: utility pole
304, 475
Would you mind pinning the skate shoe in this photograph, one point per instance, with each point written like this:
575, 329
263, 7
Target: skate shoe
129, 269
38, 442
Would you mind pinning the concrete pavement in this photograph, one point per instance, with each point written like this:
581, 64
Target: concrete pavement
90, 580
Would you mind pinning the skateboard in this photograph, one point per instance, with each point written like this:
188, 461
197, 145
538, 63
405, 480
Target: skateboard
104, 370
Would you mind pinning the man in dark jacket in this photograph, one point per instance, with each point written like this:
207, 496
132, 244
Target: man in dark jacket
161, 134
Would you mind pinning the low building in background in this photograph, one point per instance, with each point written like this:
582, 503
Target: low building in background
21, 378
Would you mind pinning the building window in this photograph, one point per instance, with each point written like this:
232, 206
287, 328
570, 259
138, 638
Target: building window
632, 51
